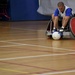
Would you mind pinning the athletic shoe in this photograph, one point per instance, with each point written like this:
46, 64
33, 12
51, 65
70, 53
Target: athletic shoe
61, 29
54, 30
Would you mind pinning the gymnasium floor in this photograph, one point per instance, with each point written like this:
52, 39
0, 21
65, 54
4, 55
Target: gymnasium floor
25, 50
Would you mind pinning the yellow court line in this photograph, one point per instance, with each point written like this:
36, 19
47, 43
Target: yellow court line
10, 70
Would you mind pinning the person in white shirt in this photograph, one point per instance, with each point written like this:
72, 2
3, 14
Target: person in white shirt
64, 12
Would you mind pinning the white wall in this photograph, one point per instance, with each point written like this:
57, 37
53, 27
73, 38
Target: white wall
47, 7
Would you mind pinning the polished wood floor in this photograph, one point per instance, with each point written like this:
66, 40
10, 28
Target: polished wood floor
25, 50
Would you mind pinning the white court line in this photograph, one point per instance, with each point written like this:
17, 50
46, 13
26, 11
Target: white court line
22, 29
20, 44
37, 56
58, 72
26, 29
32, 45
23, 39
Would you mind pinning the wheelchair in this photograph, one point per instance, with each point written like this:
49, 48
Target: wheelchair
68, 33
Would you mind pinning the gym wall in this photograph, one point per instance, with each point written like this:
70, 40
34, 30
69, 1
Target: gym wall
25, 10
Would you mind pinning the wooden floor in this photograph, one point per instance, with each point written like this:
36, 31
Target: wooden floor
25, 50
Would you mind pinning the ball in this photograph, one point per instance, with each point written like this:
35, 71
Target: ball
56, 35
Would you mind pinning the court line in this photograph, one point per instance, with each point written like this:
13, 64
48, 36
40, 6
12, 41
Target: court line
58, 72
50, 73
10, 70
24, 39
32, 45
25, 65
17, 71
26, 29
48, 69
37, 56
25, 73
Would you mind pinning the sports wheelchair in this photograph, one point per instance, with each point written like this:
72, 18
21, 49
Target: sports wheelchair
69, 30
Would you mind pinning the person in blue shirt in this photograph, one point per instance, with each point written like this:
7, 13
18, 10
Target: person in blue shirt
64, 12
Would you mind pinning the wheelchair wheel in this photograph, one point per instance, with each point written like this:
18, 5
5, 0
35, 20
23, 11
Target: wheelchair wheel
49, 29
71, 36
72, 27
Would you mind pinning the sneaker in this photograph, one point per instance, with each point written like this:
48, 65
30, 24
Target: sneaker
61, 29
48, 33
54, 30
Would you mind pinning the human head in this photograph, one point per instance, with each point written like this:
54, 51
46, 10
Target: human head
61, 6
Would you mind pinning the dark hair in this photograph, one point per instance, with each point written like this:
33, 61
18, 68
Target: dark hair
60, 4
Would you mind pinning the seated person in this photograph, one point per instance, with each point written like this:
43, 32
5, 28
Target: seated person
62, 12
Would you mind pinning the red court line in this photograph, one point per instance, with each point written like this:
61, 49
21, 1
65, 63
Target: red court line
43, 51
33, 73
27, 65
50, 51
47, 69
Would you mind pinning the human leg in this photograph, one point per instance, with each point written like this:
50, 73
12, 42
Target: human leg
65, 20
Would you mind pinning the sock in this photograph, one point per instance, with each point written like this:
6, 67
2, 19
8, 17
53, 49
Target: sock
54, 28
62, 27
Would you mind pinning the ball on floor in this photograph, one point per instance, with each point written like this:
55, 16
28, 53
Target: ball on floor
56, 35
